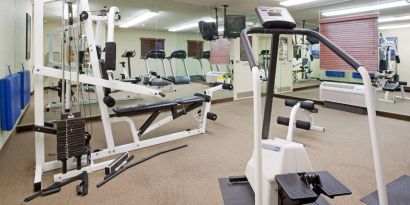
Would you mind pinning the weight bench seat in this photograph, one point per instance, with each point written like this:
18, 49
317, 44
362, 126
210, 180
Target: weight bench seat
139, 108
189, 100
158, 105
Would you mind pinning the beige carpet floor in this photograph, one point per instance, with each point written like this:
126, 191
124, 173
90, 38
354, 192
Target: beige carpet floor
189, 175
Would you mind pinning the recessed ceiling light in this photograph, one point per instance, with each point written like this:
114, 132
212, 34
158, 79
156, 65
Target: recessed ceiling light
393, 18
189, 25
139, 19
373, 7
394, 26
294, 2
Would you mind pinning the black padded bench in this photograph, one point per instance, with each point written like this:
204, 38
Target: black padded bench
295, 188
189, 103
158, 106
138, 109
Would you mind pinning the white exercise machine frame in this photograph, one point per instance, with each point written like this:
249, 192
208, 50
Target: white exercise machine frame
40, 71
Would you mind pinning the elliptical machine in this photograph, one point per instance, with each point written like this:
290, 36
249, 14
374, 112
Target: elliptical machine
279, 171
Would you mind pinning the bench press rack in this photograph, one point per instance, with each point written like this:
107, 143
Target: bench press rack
202, 101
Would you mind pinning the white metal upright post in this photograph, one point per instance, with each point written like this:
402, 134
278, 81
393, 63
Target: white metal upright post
38, 91
96, 73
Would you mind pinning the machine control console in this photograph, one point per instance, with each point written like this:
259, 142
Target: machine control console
275, 17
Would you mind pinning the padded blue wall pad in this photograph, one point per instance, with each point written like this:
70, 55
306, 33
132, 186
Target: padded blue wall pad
25, 87
357, 75
337, 74
10, 101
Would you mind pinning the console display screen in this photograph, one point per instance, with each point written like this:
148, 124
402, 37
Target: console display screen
271, 13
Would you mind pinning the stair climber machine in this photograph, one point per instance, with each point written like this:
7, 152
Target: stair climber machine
75, 157
183, 79
126, 75
153, 78
279, 171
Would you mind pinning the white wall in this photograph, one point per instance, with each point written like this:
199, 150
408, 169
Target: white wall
403, 35
6, 35
13, 41
21, 7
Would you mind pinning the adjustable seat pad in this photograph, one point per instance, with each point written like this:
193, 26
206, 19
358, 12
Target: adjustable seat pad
136, 109
189, 100
159, 105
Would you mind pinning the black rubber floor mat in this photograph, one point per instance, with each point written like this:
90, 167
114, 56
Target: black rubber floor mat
237, 194
398, 193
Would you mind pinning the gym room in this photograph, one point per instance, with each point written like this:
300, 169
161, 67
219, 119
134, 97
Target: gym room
231, 102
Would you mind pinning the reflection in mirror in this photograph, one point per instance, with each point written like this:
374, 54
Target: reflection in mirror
158, 45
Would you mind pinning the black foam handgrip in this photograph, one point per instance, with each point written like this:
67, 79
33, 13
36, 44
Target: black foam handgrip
81, 57
308, 105
302, 124
283, 120
227, 86
211, 116
290, 102
110, 55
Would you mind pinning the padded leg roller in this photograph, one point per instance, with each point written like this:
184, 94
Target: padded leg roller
283, 120
302, 124
290, 102
211, 116
307, 105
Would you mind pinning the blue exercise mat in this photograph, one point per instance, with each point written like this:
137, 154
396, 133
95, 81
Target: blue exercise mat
10, 101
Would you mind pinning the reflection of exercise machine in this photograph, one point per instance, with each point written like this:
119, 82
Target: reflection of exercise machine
279, 171
264, 60
153, 78
308, 107
214, 75
387, 79
392, 86
204, 55
304, 70
127, 54
184, 79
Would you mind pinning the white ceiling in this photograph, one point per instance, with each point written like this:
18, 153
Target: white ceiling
177, 12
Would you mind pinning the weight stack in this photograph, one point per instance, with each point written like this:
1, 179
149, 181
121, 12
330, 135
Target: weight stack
71, 140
